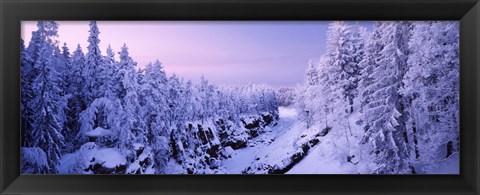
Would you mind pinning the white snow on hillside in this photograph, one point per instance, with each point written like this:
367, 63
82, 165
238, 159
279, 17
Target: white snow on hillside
272, 142
275, 148
330, 156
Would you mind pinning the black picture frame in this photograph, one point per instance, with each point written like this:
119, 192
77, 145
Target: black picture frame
14, 11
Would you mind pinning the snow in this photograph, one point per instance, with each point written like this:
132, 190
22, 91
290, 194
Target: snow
327, 157
228, 151
133, 167
34, 155
287, 112
282, 134
89, 154
109, 157
330, 155
241, 160
448, 166
138, 146
98, 132
174, 168
66, 163
32, 159
403, 74
248, 119
316, 163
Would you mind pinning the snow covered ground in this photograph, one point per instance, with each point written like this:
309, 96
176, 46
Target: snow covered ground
276, 148
89, 155
330, 155
272, 142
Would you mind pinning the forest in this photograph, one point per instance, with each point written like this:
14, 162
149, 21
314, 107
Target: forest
379, 101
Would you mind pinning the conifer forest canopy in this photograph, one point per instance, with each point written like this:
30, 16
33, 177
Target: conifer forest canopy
376, 98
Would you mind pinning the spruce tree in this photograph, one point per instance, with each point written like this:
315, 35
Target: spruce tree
384, 111
92, 70
49, 116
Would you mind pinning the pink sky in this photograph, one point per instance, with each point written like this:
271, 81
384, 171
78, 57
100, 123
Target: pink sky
272, 53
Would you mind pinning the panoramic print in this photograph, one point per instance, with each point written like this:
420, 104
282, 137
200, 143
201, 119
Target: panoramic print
238, 97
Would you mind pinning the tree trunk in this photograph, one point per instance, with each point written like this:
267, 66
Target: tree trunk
415, 139
449, 149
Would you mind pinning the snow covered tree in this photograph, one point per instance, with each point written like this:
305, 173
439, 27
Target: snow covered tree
125, 67
337, 74
43, 102
205, 93
317, 97
368, 64
357, 51
312, 74
386, 129
188, 101
343, 70
26, 94
286, 96
61, 63
75, 101
154, 110
64, 66
92, 70
33, 161
303, 100
109, 68
44, 35
127, 92
153, 94
173, 104
101, 117
66, 52
49, 117
432, 87
308, 100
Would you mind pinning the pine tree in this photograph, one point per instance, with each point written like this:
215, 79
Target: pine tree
368, 64
49, 117
386, 128
431, 86
173, 95
125, 66
154, 110
153, 93
45, 34
188, 101
94, 62
357, 51
342, 57
312, 74
204, 100
132, 125
26, 94
108, 73
75, 102
42, 100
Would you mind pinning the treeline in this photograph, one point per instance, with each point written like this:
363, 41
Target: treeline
72, 99
286, 96
403, 78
